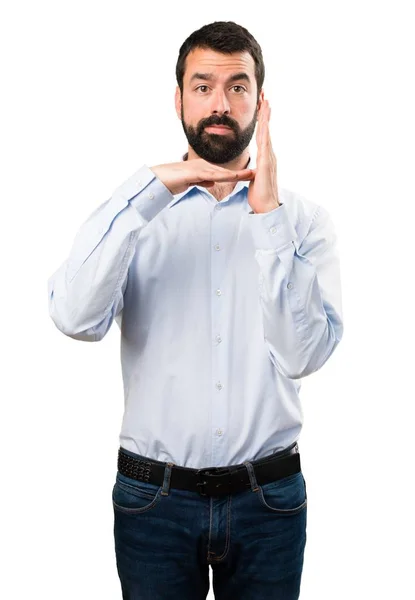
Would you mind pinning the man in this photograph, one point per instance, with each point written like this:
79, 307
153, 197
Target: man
226, 289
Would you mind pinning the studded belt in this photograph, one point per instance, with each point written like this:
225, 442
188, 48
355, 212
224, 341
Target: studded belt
212, 481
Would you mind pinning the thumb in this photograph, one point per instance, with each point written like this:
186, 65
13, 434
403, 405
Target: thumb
206, 183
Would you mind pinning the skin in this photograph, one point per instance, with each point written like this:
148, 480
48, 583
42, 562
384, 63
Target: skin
236, 104
263, 189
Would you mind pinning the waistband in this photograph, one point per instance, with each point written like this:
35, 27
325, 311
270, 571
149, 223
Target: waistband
210, 481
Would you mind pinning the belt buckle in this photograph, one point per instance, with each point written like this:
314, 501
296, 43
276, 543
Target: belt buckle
205, 472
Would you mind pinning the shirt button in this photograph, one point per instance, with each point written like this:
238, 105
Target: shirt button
218, 292
273, 230
217, 247
219, 385
218, 339
219, 431
218, 207
289, 286
151, 195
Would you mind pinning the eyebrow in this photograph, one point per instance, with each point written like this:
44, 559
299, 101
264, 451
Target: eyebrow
211, 76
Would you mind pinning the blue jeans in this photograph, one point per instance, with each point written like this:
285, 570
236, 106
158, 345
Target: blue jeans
166, 538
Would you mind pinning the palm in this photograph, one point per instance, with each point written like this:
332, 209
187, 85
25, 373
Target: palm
262, 191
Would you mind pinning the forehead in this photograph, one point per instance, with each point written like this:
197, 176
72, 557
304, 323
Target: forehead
207, 60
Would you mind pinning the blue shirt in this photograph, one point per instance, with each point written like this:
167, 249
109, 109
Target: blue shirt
221, 310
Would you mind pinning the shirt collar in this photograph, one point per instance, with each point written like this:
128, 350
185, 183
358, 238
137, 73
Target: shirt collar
237, 188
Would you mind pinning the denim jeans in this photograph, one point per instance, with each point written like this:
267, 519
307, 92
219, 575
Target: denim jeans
166, 538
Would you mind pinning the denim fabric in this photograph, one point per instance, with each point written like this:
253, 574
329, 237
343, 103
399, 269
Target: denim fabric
165, 539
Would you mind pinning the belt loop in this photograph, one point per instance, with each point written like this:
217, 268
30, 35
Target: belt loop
252, 478
166, 480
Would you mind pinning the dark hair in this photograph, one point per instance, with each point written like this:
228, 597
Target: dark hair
226, 37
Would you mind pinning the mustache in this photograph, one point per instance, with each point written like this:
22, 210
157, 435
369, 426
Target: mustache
218, 121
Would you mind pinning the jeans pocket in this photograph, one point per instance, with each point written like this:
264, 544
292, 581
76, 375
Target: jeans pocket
286, 496
133, 496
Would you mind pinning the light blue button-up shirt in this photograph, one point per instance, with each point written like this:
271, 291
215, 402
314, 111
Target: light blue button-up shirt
221, 311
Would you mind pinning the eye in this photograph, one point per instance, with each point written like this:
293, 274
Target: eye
233, 87
239, 86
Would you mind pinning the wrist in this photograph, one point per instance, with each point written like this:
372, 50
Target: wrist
268, 208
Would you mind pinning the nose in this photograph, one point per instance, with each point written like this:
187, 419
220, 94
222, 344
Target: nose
220, 103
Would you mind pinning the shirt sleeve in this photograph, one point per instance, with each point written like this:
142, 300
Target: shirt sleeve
86, 292
300, 290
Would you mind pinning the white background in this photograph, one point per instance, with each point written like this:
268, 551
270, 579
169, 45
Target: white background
88, 90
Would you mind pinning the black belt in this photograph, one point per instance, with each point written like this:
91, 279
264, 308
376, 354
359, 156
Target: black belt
212, 481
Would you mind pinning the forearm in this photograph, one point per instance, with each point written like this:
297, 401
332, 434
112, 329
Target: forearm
86, 292
300, 292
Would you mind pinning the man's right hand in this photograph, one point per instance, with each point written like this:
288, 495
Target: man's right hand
177, 177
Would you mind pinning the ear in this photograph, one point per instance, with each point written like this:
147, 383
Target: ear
178, 102
260, 101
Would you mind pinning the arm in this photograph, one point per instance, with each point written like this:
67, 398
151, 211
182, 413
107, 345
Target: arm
300, 290
86, 292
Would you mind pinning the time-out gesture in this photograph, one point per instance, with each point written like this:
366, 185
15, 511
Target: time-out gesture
263, 190
177, 177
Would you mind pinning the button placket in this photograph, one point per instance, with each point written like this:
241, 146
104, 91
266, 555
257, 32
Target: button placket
218, 270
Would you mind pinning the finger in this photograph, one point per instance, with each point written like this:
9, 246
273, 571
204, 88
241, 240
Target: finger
260, 132
204, 183
266, 138
262, 122
227, 175
259, 128
244, 175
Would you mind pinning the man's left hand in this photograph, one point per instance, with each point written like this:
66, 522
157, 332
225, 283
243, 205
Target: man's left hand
263, 191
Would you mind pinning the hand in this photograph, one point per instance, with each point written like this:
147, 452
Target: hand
263, 191
177, 177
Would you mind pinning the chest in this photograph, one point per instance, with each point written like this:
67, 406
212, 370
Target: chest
221, 191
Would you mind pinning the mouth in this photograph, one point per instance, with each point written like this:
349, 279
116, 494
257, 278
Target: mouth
218, 129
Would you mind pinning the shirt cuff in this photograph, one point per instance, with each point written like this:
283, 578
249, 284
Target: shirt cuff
273, 230
146, 192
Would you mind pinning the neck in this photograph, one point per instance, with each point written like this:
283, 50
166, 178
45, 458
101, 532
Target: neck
240, 162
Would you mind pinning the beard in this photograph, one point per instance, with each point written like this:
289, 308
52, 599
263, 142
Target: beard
219, 148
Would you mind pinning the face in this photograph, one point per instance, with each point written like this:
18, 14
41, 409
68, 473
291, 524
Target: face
218, 89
